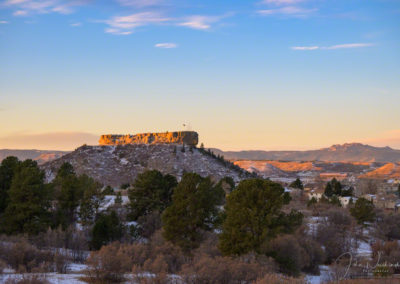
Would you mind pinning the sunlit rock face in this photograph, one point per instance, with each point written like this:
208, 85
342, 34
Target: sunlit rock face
190, 138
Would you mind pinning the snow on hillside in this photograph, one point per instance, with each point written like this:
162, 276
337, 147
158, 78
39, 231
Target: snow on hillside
115, 165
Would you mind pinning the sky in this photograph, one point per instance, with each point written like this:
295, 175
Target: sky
263, 74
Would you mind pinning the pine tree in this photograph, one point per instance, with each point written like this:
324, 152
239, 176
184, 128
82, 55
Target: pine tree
91, 199
363, 211
68, 193
194, 209
118, 199
328, 190
254, 216
28, 208
151, 191
107, 228
297, 184
7, 168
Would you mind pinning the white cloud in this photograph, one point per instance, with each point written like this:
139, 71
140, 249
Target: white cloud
3, 22
288, 10
25, 7
305, 47
199, 22
140, 3
124, 25
20, 13
76, 24
281, 2
117, 31
338, 46
349, 45
166, 45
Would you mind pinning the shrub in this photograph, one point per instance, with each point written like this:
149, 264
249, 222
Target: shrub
109, 263
287, 253
335, 233
221, 270
24, 257
3, 266
28, 279
279, 279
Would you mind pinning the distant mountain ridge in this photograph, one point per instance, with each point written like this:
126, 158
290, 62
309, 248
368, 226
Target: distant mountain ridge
41, 156
348, 152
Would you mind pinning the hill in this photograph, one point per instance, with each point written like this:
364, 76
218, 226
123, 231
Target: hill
41, 156
387, 171
349, 152
116, 165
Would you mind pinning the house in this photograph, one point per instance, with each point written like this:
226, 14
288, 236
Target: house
346, 200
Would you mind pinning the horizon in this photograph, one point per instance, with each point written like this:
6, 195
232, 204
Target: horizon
263, 75
225, 150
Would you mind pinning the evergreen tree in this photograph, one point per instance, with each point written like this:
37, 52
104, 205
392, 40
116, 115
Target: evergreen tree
151, 191
29, 204
118, 199
254, 216
194, 209
107, 228
91, 199
348, 191
312, 202
337, 187
328, 190
363, 211
335, 201
7, 168
297, 184
227, 184
108, 191
68, 193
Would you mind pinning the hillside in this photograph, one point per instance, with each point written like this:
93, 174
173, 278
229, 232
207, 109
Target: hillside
41, 156
387, 171
349, 152
116, 165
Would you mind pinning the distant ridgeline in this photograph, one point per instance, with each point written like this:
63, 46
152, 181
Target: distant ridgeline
190, 138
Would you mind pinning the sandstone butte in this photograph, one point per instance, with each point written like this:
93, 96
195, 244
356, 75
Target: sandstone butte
190, 138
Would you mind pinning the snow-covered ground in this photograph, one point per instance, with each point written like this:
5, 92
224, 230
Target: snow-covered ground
324, 276
53, 278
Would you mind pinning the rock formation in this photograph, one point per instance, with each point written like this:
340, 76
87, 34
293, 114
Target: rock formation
118, 164
190, 138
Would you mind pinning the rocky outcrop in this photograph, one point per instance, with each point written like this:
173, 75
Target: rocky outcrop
190, 138
116, 165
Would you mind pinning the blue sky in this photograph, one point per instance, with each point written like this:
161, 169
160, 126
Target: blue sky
273, 74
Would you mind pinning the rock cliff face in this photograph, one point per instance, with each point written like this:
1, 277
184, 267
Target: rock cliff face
190, 138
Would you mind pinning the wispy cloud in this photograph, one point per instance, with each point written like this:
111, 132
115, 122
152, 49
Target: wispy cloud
389, 138
140, 3
305, 47
166, 45
281, 2
338, 46
20, 13
76, 24
288, 10
200, 22
3, 22
26, 7
52, 140
125, 25
349, 45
